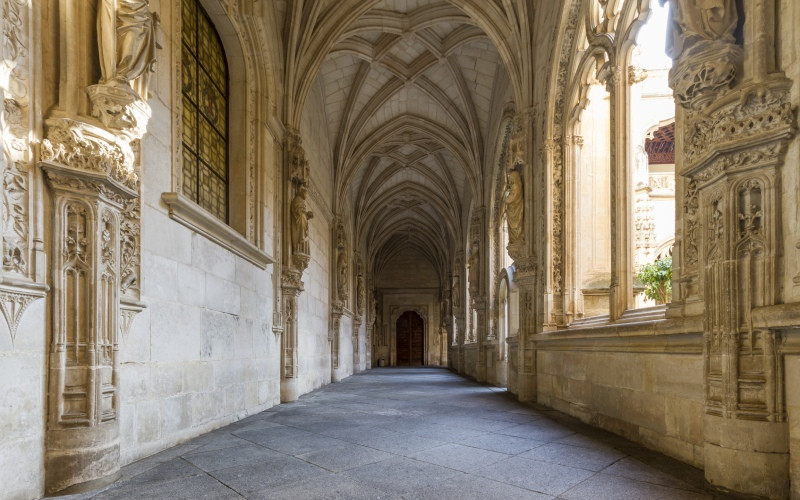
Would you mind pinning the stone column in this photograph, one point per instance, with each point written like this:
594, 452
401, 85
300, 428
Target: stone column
523, 251
296, 256
356, 354
90, 158
337, 309
83, 416
735, 128
291, 287
526, 281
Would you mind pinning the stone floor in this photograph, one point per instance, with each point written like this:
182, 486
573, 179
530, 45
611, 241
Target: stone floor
407, 433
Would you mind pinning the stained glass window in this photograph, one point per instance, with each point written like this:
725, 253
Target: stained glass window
205, 112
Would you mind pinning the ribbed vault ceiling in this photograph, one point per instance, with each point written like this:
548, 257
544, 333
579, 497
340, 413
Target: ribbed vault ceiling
408, 90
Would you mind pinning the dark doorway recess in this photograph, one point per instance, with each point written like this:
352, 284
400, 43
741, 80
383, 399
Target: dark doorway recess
410, 339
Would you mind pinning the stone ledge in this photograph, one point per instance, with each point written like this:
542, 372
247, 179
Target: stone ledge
191, 215
679, 336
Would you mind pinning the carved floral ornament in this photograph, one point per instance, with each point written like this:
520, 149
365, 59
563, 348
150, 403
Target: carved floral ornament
751, 130
80, 146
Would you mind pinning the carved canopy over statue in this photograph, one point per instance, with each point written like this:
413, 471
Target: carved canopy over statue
514, 206
128, 37
300, 216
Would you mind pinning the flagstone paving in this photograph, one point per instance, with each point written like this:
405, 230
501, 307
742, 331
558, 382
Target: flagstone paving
394, 433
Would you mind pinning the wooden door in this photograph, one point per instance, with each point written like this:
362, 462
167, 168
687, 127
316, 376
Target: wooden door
410, 343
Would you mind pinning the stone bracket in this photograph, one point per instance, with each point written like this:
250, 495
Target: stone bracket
15, 299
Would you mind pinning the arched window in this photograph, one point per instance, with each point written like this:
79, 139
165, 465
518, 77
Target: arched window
651, 148
503, 318
205, 112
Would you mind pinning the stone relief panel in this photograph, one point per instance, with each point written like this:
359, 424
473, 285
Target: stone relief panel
18, 234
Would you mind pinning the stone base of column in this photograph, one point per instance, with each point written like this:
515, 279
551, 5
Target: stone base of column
81, 458
289, 390
480, 370
526, 387
746, 456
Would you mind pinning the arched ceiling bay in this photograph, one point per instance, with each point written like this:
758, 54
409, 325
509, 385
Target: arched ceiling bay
408, 92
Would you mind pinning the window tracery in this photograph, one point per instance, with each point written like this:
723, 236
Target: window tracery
204, 89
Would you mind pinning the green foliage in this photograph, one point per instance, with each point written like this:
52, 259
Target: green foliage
657, 280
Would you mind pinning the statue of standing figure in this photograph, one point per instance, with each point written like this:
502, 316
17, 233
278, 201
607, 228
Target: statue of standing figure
300, 215
514, 205
128, 37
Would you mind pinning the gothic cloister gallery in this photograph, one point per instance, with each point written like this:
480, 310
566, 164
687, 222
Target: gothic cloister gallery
212, 207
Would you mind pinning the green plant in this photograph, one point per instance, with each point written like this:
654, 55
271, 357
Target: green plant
657, 280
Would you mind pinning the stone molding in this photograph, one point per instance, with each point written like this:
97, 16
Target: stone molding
191, 215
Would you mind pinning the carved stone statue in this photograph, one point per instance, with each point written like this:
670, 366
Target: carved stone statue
456, 292
341, 269
474, 267
127, 35
515, 207
360, 293
300, 215
698, 20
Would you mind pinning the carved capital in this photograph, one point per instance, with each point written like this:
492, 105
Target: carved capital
698, 80
83, 147
749, 130
292, 281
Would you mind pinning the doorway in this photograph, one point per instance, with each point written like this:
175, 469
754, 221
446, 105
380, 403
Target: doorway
410, 346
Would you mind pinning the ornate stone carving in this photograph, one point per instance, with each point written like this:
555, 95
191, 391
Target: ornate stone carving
16, 229
359, 293
15, 221
475, 257
120, 109
513, 199
84, 147
342, 273
644, 225
130, 241
691, 204
701, 41
760, 111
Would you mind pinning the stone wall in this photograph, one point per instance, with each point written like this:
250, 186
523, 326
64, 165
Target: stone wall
654, 399
202, 353
22, 368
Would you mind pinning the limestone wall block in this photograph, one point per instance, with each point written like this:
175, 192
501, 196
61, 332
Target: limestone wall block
175, 331
191, 285
792, 366
675, 375
684, 419
197, 376
148, 422
155, 224
176, 415
166, 380
222, 295
134, 381
212, 258
159, 276
219, 330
